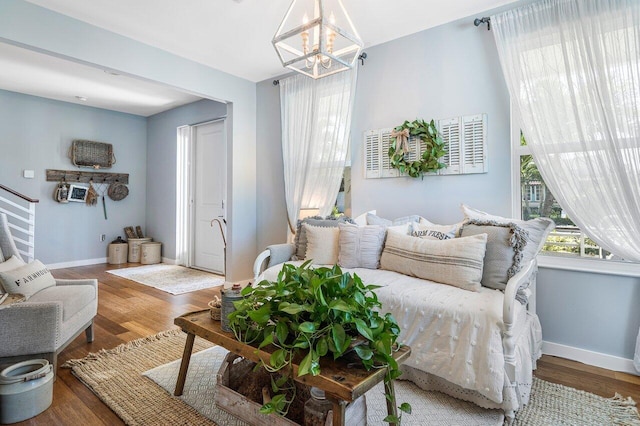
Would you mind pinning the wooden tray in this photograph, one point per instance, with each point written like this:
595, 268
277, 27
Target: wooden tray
244, 408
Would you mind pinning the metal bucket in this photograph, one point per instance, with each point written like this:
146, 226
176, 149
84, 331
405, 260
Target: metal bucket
26, 390
229, 296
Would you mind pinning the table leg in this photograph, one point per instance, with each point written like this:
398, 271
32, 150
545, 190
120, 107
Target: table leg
184, 366
339, 409
392, 410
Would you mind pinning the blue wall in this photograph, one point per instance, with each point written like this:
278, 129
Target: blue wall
35, 134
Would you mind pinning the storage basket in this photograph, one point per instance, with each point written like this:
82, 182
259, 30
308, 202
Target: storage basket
98, 155
134, 248
117, 253
150, 253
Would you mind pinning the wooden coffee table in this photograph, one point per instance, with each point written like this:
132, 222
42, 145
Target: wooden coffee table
342, 384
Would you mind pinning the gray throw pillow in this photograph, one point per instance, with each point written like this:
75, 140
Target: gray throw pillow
300, 240
538, 229
505, 250
361, 246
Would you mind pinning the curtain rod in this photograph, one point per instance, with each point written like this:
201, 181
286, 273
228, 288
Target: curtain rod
484, 20
361, 58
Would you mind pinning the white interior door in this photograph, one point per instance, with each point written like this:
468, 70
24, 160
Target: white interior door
209, 195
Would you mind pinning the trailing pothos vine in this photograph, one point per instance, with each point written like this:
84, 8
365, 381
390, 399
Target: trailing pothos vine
309, 313
428, 161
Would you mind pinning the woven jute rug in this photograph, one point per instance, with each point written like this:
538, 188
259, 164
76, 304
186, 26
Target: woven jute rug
116, 377
173, 279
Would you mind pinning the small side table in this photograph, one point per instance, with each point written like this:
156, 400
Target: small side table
11, 299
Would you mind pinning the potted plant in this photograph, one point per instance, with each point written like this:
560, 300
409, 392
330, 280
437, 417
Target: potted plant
312, 313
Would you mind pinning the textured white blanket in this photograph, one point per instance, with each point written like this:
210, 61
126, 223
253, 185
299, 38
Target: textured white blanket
453, 333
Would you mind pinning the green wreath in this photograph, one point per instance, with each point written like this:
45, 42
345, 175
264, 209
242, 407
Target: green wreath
428, 161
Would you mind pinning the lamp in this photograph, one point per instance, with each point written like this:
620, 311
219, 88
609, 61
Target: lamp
317, 38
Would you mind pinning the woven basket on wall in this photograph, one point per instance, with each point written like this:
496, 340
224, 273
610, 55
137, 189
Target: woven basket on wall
98, 155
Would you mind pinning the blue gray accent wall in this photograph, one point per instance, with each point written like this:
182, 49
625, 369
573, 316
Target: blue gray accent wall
442, 72
35, 134
272, 211
161, 166
37, 28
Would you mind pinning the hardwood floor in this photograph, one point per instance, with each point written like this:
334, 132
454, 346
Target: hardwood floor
128, 310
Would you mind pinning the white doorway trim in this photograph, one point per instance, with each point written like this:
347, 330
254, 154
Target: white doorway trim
185, 176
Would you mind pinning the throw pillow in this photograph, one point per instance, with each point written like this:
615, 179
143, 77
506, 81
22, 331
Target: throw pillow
432, 231
362, 219
457, 262
12, 263
372, 219
300, 240
505, 250
455, 226
538, 229
322, 244
27, 279
360, 246
404, 229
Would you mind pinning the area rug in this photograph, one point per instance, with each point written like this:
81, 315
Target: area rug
116, 377
173, 279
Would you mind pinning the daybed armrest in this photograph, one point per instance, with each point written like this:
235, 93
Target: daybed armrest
520, 280
29, 328
275, 254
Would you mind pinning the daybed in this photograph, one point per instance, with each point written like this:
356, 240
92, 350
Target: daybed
480, 346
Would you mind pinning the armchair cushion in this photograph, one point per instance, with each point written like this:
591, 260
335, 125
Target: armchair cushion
27, 279
73, 298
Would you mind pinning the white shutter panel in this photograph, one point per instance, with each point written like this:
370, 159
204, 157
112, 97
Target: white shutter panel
372, 154
474, 144
376, 154
450, 131
385, 161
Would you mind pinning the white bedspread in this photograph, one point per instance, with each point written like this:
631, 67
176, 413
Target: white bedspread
453, 333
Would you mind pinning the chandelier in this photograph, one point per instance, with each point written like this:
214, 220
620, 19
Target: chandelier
317, 38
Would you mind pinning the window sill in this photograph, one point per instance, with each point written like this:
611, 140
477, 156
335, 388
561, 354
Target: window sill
596, 266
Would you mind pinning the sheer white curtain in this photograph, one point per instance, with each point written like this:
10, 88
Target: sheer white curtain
316, 122
573, 72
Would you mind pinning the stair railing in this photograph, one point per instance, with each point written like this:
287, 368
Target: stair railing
21, 212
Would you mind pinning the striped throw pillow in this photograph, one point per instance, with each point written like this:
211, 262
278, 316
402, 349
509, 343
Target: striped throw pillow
457, 262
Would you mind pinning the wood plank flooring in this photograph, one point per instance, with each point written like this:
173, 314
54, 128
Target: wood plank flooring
128, 310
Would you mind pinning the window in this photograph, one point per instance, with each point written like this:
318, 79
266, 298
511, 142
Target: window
536, 200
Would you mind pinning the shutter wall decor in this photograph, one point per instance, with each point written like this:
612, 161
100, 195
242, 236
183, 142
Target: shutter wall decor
465, 141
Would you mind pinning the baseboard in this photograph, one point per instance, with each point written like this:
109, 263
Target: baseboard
169, 261
597, 359
75, 263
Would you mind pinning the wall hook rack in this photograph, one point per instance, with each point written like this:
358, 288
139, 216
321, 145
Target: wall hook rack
72, 176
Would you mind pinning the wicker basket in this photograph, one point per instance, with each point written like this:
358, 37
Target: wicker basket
98, 155
215, 311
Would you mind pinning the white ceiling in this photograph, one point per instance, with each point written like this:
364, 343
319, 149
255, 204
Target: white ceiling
37, 74
233, 36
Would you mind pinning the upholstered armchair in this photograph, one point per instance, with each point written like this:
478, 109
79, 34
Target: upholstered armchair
43, 325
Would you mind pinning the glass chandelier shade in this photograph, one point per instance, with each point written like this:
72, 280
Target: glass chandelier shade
317, 38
